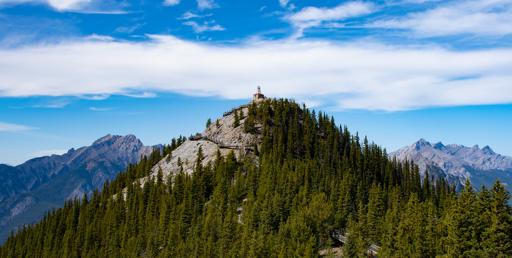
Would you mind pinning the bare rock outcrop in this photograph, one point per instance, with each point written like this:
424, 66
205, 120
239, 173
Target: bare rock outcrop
221, 136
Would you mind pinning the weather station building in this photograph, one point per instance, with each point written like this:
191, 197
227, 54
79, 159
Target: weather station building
258, 96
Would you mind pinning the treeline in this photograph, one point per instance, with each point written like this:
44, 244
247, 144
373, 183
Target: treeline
312, 177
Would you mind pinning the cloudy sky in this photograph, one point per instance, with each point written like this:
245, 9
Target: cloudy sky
395, 70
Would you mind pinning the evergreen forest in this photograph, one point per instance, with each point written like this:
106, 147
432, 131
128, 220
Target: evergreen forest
309, 178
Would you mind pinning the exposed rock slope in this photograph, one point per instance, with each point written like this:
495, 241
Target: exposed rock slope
28, 190
458, 163
221, 136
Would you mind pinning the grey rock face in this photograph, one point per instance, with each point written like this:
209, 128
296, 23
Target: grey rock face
456, 163
220, 136
29, 190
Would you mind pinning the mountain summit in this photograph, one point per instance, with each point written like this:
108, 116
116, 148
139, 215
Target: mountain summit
28, 190
457, 162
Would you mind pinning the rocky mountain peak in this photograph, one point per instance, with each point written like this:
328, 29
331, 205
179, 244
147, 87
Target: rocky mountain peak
487, 150
457, 162
439, 146
103, 139
422, 143
125, 144
112, 139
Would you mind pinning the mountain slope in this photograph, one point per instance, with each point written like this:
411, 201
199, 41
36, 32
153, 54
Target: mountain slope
222, 136
278, 180
38, 185
457, 163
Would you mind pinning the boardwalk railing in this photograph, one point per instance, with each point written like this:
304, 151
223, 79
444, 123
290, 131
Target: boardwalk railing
341, 237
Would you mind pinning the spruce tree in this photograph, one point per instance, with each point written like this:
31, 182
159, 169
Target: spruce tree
236, 122
498, 236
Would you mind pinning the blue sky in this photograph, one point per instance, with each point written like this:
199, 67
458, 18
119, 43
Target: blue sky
72, 71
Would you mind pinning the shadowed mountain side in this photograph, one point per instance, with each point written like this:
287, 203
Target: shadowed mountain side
41, 184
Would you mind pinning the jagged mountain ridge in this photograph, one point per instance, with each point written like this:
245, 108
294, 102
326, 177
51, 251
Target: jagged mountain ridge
456, 163
28, 190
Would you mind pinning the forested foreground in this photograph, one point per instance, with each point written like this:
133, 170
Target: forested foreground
311, 178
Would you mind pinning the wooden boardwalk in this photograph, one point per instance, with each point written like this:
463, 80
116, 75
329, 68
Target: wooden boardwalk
341, 237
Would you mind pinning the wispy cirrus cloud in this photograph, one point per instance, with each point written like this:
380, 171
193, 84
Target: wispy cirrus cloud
55, 103
286, 4
95, 96
171, 2
476, 17
191, 15
12, 128
60, 5
206, 4
139, 95
100, 109
354, 75
316, 16
45, 103
204, 26
82, 6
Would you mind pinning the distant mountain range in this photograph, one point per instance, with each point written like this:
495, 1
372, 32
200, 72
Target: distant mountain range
456, 163
28, 190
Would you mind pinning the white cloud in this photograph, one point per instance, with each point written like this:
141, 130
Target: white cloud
286, 4
402, 2
354, 75
315, 16
339, 12
8, 127
100, 109
478, 17
95, 96
171, 2
129, 29
82, 6
67, 4
60, 5
190, 15
206, 26
206, 4
140, 95
53, 104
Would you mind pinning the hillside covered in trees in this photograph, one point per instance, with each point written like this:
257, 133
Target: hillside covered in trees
305, 179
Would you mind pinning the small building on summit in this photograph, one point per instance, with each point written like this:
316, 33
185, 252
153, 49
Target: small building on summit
258, 96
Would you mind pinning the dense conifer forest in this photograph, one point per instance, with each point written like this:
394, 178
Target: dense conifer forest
311, 178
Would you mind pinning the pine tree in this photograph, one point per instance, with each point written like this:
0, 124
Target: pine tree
462, 222
355, 245
498, 237
236, 122
375, 214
